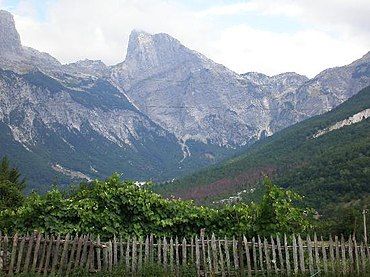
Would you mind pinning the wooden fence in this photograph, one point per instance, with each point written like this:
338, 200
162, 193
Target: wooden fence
209, 256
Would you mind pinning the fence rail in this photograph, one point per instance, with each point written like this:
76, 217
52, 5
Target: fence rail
209, 256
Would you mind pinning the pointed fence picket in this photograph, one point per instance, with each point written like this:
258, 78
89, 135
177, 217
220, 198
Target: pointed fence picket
211, 256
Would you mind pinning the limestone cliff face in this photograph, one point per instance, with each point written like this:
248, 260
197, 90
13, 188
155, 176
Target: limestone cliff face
10, 42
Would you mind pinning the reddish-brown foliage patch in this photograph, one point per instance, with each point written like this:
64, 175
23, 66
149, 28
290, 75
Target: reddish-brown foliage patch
244, 180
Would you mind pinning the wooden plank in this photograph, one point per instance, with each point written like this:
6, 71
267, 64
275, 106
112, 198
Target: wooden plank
146, 250
28, 254
209, 261
13, 254
247, 256
197, 255
83, 258
47, 259
295, 255
134, 256
64, 254
363, 258
227, 254
203, 252
105, 261
317, 256
260, 251
301, 254
222, 262
43, 254
55, 253
127, 256
171, 255
98, 254
274, 257
343, 248
20, 255
331, 253
36, 252
240, 256
337, 257
254, 253
235, 255
350, 254
5, 251
140, 260
159, 251
192, 250
2, 264
151, 248
121, 251
324, 259
78, 251
115, 250
90, 257
280, 254
267, 256
183, 251
287, 255
214, 253
110, 255
357, 258
310, 257
177, 254
165, 253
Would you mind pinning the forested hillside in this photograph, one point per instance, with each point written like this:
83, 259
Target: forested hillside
326, 169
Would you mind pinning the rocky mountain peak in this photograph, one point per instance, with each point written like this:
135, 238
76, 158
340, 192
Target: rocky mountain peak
147, 51
10, 41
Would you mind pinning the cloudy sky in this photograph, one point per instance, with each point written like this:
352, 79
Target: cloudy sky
268, 36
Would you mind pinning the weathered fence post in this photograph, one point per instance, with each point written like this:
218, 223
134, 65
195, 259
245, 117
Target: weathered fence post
20, 255
221, 259
310, 257
12, 255
240, 258
254, 253
197, 255
36, 252
260, 251
214, 253
287, 256
274, 257
324, 256
267, 256
295, 255
247, 255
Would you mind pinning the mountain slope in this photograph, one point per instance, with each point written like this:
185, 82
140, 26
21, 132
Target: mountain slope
328, 167
163, 112
72, 122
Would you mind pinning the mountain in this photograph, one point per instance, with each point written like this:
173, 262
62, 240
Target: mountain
326, 158
163, 112
188, 94
69, 122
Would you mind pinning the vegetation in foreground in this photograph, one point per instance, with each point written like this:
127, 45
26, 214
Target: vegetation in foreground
116, 207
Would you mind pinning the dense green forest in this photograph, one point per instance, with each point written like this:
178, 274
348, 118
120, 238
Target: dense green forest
332, 171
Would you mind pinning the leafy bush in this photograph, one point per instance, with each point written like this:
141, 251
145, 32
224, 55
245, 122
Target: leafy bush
115, 207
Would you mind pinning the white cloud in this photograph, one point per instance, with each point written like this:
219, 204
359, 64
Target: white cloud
334, 32
97, 29
308, 51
